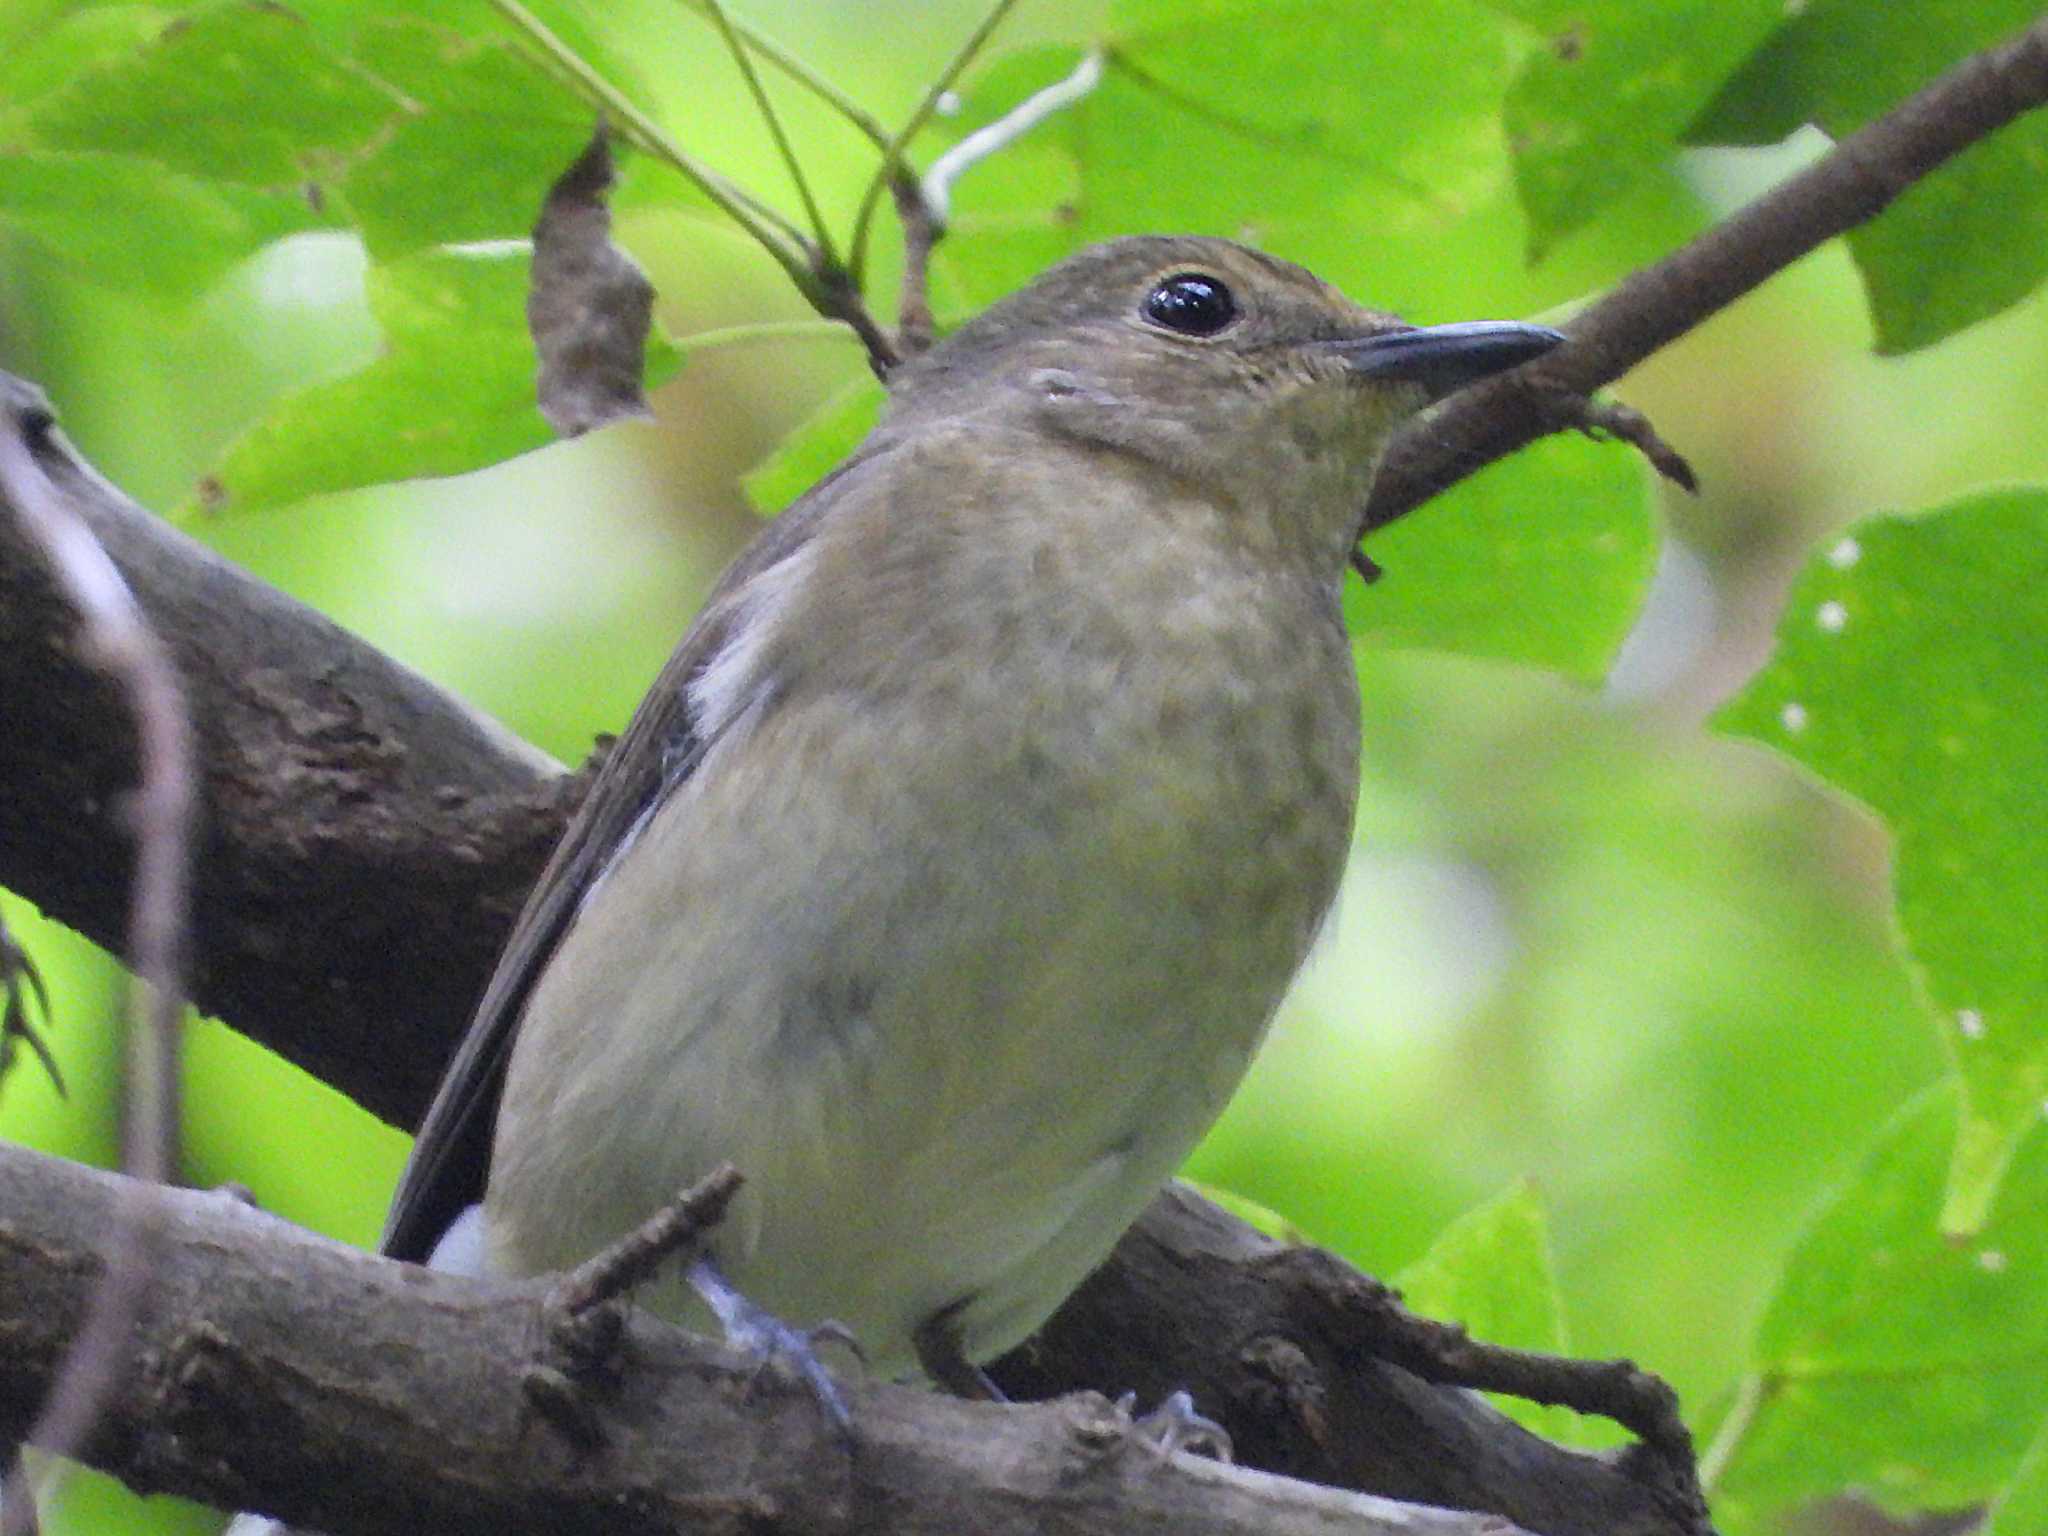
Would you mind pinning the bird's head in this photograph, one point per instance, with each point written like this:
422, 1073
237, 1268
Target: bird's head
1247, 376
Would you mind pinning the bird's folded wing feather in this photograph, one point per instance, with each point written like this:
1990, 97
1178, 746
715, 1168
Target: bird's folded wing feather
659, 750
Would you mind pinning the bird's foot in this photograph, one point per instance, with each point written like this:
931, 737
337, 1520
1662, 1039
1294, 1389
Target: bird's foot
1175, 1426
770, 1340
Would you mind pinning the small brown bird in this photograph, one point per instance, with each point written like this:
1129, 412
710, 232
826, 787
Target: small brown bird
952, 871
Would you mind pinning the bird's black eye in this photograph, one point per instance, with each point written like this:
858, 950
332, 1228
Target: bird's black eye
1190, 303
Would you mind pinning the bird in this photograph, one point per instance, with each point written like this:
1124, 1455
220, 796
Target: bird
957, 861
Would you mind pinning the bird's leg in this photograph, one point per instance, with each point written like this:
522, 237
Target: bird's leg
1172, 1426
760, 1333
937, 1342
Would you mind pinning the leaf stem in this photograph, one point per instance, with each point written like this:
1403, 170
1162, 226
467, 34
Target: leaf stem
764, 330
780, 238
741, 57
831, 95
892, 155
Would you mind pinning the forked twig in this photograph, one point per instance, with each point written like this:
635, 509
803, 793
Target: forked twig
118, 638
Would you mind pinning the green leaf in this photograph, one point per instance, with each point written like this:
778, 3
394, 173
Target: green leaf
452, 391
1379, 165
1909, 673
815, 449
1543, 558
88, 213
39, 54
2023, 1508
237, 93
1604, 102
489, 133
1843, 62
1261, 1217
1490, 1272
1892, 1359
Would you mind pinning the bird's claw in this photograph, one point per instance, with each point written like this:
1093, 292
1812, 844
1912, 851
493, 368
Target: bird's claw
1175, 1426
760, 1333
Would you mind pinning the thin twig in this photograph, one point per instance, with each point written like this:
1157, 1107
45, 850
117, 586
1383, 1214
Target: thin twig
636, 1256
915, 328
1624, 423
1848, 186
782, 239
1005, 131
20, 984
763, 330
118, 638
740, 56
892, 156
825, 284
864, 121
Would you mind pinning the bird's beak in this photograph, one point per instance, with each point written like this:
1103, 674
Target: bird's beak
1443, 359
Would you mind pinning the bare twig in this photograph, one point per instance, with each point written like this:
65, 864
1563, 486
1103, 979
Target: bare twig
741, 57
635, 1257
892, 156
1624, 423
252, 1395
1445, 1354
1848, 186
774, 233
915, 328
119, 640
1005, 131
789, 64
21, 983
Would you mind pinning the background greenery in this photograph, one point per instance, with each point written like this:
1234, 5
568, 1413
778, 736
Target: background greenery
1616, 1041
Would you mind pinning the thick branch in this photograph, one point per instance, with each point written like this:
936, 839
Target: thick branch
367, 838
369, 842
1848, 186
280, 1371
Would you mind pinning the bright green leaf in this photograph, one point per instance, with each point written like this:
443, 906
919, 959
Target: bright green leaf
1542, 558
1370, 166
87, 212
1604, 102
1841, 63
490, 133
1490, 1271
1894, 1360
40, 54
814, 449
1262, 1217
452, 391
238, 93
1910, 673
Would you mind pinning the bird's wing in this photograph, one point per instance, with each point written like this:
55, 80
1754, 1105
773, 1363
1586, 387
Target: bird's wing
659, 749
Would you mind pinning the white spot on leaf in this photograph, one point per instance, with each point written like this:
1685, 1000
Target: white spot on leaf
1793, 718
1970, 1023
1832, 617
1845, 554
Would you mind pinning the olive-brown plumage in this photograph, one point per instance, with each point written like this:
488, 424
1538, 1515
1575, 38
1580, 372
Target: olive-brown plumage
954, 867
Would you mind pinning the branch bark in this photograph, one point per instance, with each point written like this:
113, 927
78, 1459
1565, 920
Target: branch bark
368, 840
1850, 185
277, 1370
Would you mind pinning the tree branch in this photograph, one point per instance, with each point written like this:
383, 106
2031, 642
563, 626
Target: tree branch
368, 841
281, 1371
1850, 185
366, 838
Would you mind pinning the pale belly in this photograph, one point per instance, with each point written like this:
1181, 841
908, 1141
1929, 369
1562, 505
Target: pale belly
954, 1045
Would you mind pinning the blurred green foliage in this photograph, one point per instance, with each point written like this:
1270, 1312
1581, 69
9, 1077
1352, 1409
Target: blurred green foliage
1611, 1038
